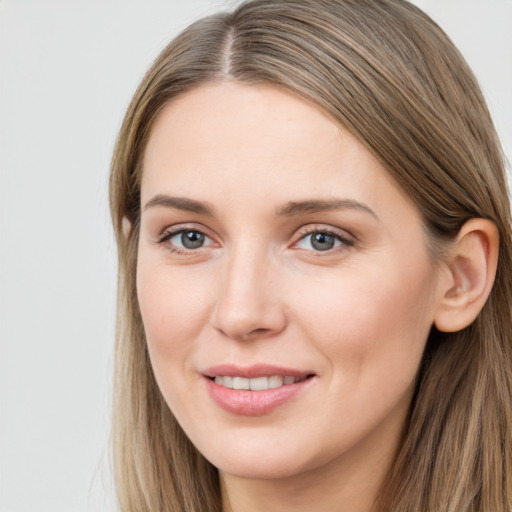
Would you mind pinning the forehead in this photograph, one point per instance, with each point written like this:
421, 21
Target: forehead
253, 143
235, 122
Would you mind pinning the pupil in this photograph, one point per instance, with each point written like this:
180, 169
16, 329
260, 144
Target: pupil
192, 239
322, 242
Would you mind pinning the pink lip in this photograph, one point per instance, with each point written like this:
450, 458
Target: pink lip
254, 370
253, 403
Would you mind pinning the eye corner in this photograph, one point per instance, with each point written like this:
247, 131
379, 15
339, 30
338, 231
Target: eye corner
322, 240
174, 239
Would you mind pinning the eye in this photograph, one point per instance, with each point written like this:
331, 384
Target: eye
188, 239
322, 241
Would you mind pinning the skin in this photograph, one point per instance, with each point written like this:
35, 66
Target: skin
357, 315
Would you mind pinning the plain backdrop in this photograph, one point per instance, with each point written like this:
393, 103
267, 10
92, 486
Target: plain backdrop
67, 71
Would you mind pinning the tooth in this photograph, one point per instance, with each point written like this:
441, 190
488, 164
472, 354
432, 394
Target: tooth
240, 383
275, 381
258, 383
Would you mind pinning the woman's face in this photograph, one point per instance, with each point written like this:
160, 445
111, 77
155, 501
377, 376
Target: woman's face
277, 254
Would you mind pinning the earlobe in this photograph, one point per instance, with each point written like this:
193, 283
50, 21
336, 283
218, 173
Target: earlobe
126, 227
470, 270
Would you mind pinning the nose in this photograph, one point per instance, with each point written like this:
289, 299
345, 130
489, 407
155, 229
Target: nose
249, 305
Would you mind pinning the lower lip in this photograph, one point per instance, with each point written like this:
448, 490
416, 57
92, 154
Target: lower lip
254, 403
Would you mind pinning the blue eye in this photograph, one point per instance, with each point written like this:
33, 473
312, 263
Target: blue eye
189, 239
321, 241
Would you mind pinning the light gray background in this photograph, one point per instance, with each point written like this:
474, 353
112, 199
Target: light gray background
67, 71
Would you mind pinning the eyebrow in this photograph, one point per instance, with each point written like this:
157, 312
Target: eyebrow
314, 206
181, 203
289, 209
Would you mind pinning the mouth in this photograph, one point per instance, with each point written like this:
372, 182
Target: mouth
255, 390
260, 383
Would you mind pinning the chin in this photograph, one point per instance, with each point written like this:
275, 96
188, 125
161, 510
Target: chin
263, 462
262, 469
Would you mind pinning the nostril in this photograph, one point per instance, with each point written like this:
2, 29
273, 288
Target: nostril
256, 333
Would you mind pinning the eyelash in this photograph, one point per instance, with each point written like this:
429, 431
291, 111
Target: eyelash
170, 233
345, 242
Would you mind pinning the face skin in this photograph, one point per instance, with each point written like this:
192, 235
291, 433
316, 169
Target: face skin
350, 305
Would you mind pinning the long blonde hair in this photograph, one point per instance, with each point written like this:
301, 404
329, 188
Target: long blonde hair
391, 76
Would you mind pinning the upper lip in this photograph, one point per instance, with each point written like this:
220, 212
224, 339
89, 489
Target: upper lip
254, 370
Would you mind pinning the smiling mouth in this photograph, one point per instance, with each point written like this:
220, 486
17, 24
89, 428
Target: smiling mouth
255, 390
257, 383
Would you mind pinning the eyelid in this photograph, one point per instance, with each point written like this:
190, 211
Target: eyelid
171, 231
346, 238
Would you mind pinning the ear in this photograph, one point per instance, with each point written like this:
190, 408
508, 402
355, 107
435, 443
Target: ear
470, 268
126, 226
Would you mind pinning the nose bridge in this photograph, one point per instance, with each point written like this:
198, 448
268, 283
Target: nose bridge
248, 304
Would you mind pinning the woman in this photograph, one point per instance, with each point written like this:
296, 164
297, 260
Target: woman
314, 245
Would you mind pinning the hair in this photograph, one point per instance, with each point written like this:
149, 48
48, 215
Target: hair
387, 73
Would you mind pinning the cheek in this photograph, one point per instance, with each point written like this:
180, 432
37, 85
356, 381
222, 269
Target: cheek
371, 323
173, 307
